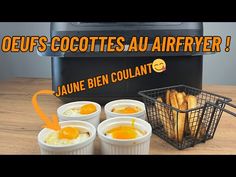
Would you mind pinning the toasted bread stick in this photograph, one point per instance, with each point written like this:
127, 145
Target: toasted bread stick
174, 103
181, 121
192, 118
174, 91
173, 99
165, 120
192, 102
162, 119
184, 94
180, 98
168, 101
168, 97
186, 98
159, 99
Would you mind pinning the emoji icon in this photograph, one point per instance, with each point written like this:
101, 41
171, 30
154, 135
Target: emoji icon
159, 65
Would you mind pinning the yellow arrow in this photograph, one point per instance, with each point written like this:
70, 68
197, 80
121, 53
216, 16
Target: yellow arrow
52, 124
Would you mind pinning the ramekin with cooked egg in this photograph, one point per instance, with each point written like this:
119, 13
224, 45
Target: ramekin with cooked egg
124, 135
80, 110
74, 137
125, 107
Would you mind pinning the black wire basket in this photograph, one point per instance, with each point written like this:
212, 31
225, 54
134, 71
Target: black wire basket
200, 123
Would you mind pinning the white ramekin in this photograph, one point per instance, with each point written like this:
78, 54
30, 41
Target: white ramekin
83, 148
109, 106
139, 145
93, 118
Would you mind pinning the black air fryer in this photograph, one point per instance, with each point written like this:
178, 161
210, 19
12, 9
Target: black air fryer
182, 68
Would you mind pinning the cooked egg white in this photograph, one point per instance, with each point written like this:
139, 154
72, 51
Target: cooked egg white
128, 109
125, 132
66, 136
82, 110
72, 112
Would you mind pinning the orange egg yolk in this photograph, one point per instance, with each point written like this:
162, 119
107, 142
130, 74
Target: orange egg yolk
68, 133
124, 132
128, 110
88, 109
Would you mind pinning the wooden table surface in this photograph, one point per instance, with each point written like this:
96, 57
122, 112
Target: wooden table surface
19, 124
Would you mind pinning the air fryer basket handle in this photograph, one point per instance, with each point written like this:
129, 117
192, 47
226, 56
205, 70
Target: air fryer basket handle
223, 109
215, 107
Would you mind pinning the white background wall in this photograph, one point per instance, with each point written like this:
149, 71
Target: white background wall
24, 64
218, 68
